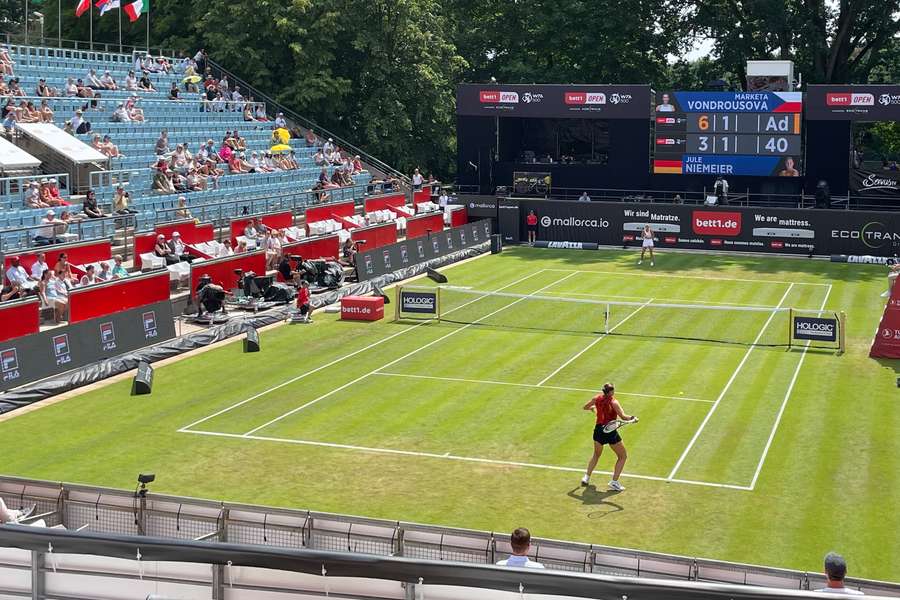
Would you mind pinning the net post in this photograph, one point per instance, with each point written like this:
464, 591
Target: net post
842, 320
790, 328
606, 321
437, 307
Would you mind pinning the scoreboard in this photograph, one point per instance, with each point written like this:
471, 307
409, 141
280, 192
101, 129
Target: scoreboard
728, 133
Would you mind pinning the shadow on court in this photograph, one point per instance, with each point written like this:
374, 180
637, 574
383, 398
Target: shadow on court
591, 496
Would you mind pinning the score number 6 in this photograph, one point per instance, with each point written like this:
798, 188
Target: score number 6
703, 122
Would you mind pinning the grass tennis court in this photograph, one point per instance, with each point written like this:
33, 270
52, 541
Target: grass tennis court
747, 453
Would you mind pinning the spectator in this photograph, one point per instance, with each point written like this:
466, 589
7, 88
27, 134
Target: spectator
290, 161
131, 83
163, 250
311, 139
357, 165
256, 166
79, 125
63, 269
13, 516
110, 149
9, 122
200, 59
71, 88
145, 85
121, 201
162, 143
183, 212
248, 113
280, 122
17, 275
225, 249
28, 113
43, 90
242, 247
93, 81
161, 180
584, 197
6, 67
303, 302
250, 231
179, 248
348, 252
239, 142
417, 180
90, 276
118, 270
51, 226
319, 158
443, 199
56, 295
328, 147
105, 273
270, 164
33, 196
835, 571
121, 115
180, 158
223, 85
90, 207
13, 292
53, 192
173, 91
134, 113
108, 82
520, 541
46, 112
39, 266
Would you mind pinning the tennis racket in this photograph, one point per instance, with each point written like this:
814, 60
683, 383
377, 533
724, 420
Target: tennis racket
617, 423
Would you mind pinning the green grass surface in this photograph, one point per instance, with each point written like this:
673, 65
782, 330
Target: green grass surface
388, 432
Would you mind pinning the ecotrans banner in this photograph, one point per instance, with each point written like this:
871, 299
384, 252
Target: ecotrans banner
789, 231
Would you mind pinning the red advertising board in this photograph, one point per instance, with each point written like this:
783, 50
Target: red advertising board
716, 222
419, 226
221, 270
78, 253
19, 317
117, 295
324, 246
887, 338
280, 220
328, 211
362, 308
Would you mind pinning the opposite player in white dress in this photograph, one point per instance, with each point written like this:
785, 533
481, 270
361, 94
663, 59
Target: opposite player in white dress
646, 244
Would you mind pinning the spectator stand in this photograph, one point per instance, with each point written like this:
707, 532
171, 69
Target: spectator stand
106, 298
77, 253
18, 318
329, 218
192, 233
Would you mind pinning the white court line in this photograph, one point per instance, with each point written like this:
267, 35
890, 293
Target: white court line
728, 385
448, 456
667, 275
337, 360
593, 343
404, 357
534, 385
787, 396
669, 300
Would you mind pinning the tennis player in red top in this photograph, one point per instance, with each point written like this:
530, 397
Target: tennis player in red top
608, 409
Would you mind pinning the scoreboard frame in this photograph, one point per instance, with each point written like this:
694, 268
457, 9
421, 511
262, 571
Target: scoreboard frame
728, 133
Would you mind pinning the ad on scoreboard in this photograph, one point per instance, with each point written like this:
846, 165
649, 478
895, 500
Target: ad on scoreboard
728, 133
794, 231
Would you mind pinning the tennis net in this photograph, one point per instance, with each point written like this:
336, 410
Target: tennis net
742, 325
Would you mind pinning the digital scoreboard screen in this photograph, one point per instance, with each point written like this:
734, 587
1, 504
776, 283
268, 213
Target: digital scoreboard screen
728, 133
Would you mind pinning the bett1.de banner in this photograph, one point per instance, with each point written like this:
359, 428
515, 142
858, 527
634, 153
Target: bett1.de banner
789, 231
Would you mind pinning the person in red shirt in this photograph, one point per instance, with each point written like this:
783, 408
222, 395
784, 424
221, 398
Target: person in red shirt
532, 221
607, 409
303, 302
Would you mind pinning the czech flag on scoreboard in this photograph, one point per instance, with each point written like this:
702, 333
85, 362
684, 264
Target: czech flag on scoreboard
136, 9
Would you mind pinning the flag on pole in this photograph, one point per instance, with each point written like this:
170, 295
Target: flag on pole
83, 6
136, 9
107, 5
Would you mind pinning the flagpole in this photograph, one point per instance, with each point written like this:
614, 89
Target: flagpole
26, 22
148, 29
120, 28
91, 16
59, 23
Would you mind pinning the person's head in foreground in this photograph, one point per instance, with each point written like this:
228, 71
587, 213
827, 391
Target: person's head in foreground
520, 541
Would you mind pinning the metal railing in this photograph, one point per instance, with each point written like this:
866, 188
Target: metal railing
274, 107
110, 226
39, 41
104, 510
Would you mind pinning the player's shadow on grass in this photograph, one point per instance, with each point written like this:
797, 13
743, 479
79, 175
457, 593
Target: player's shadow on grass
591, 496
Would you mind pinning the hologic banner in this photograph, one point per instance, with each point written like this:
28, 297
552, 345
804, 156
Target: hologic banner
387, 259
418, 302
815, 329
788, 231
853, 103
32, 357
875, 184
554, 101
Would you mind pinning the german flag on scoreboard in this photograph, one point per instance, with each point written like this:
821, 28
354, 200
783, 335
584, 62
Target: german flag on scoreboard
667, 166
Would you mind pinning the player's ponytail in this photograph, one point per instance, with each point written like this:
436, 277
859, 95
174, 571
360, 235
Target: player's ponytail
608, 388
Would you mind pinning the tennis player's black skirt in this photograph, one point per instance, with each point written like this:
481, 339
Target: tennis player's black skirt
610, 438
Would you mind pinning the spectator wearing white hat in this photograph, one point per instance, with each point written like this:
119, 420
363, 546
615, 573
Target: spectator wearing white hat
79, 125
33, 196
328, 147
179, 248
108, 82
280, 121
46, 234
120, 115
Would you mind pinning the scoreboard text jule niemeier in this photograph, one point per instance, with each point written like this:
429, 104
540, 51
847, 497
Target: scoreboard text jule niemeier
728, 133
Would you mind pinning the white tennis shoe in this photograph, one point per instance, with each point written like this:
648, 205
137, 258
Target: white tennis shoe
616, 486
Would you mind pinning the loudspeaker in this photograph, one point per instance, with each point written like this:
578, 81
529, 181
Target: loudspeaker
143, 380
251, 342
496, 243
435, 276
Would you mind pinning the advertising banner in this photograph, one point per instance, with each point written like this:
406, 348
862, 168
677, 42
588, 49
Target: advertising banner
815, 329
853, 103
379, 261
29, 358
886, 343
554, 101
789, 231
424, 303
875, 184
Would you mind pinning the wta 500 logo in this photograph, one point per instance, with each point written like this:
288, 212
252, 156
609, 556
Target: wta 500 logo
873, 234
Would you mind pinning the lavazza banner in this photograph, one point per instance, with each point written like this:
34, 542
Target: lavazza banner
788, 231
